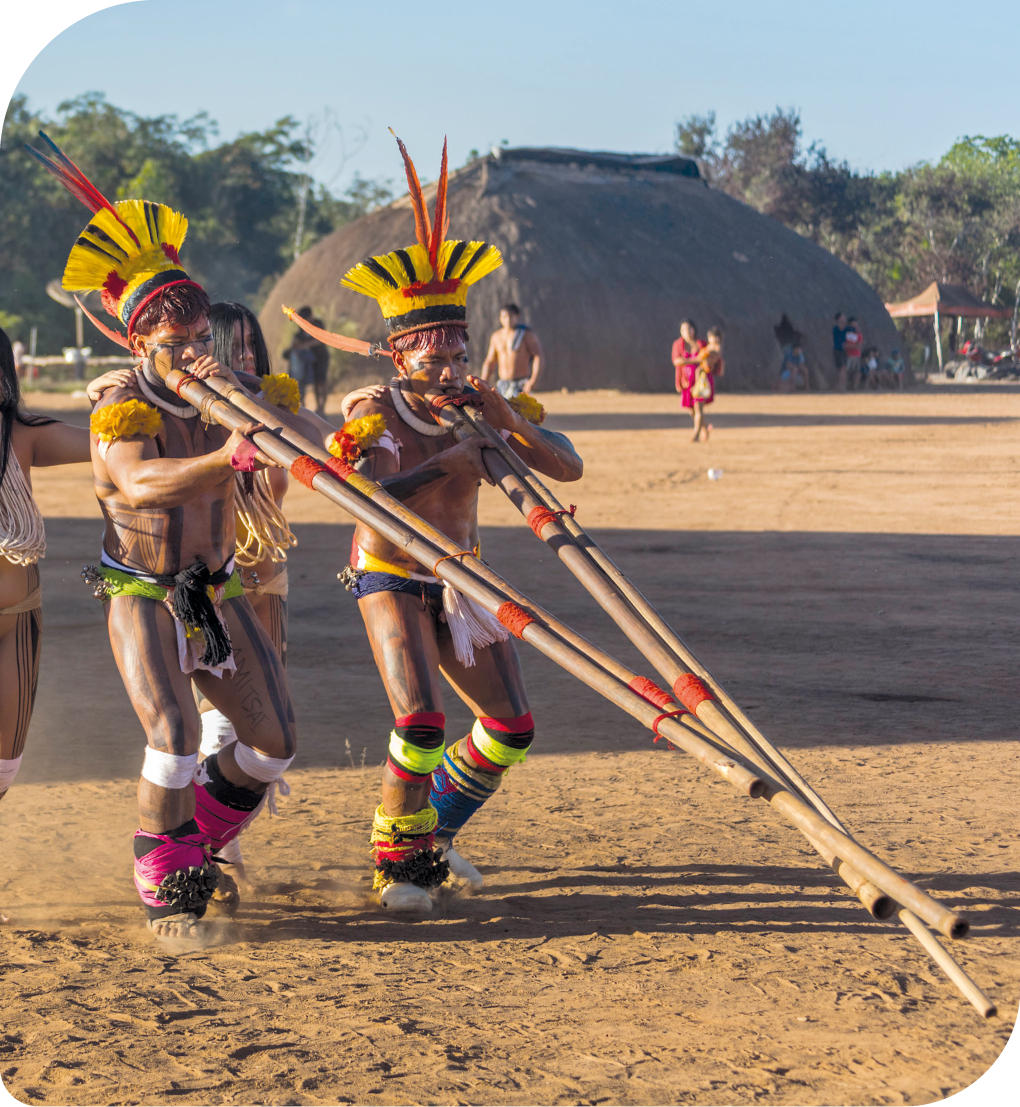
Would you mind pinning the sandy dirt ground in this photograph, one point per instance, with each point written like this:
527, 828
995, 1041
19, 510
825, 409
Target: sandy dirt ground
647, 934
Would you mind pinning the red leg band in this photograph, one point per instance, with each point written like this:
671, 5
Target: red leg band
422, 718
403, 774
510, 724
482, 761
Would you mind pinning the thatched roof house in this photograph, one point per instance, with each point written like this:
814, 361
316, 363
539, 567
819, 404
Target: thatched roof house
605, 253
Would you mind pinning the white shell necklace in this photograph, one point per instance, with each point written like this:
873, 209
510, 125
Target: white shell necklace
432, 430
182, 411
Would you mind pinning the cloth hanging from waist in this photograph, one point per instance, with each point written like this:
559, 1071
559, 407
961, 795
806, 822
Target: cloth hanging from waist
471, 626
193, 597
278, 585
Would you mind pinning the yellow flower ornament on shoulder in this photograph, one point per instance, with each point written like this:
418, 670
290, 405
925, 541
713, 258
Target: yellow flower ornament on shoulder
282, 390
525, 404
125, 419
355, 436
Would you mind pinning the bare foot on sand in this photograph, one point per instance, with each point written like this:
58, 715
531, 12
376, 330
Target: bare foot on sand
227, 896
177, 927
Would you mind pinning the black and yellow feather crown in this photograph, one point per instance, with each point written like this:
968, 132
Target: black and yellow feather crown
424, 285
128, 251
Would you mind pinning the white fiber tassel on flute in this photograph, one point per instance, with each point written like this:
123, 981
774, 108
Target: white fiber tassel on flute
471, 626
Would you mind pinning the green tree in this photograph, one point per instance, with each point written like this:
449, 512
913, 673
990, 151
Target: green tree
241, 199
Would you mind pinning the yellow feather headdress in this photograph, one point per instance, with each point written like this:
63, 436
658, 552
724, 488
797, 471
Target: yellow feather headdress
129, 250
424, 285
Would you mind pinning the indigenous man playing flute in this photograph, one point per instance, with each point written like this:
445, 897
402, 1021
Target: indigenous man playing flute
417, 626
175, 607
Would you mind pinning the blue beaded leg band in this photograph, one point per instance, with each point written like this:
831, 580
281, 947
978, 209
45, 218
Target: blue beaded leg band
458, 791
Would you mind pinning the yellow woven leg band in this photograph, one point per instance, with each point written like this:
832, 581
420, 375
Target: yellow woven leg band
413, 758
491, 748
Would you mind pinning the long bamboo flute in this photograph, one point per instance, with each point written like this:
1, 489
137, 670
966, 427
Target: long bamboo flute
742, 735
359, 504
526, 492
714, 716
948, 964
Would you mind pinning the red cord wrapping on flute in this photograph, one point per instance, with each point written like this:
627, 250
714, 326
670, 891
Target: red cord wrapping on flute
185, 377
340, 468
460, 553
655, 727
649, 690
514, 618
456, 401
305, 469
690, 691
539, 516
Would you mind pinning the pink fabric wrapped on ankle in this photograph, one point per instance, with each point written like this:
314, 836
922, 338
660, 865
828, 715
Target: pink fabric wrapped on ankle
175, 858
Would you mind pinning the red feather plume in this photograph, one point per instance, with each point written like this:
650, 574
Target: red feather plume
75, 181
422, 226
114, 336
441, 223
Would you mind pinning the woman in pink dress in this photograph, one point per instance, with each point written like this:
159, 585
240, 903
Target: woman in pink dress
685, 360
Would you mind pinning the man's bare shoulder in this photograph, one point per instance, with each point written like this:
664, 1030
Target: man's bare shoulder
118, 395
382, 405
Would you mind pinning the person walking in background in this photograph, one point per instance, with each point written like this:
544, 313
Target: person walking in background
838, 351
853, 344
515, 353
685, 360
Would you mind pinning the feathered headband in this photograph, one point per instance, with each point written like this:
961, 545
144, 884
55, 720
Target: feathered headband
128, 250
423, 286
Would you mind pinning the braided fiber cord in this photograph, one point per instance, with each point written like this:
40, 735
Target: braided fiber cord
262, 529
22, 536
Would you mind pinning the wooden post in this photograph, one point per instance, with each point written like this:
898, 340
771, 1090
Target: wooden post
938, 340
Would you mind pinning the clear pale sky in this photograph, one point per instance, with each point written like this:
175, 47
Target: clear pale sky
883, 85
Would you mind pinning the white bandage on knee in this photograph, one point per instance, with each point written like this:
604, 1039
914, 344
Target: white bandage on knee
258, 765
217, 732
8, 771
167, 770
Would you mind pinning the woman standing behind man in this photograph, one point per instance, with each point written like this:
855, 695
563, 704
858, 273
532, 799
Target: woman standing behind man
697, 364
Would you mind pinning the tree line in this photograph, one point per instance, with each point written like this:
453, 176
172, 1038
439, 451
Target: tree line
956, 220
244, 200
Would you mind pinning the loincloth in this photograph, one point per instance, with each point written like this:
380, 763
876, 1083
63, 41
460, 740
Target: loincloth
113, 579
471, 626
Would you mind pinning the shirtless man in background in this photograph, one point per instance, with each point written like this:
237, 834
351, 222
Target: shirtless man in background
515, 352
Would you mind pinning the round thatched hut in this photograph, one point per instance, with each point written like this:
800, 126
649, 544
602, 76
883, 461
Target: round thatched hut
605, 253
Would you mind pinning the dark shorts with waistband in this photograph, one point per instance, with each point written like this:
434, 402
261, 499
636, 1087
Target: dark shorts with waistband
361, 584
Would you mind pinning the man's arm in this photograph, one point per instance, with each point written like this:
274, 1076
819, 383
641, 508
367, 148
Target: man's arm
491, 358
58, 444
150, 481
534, 348
548, 452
